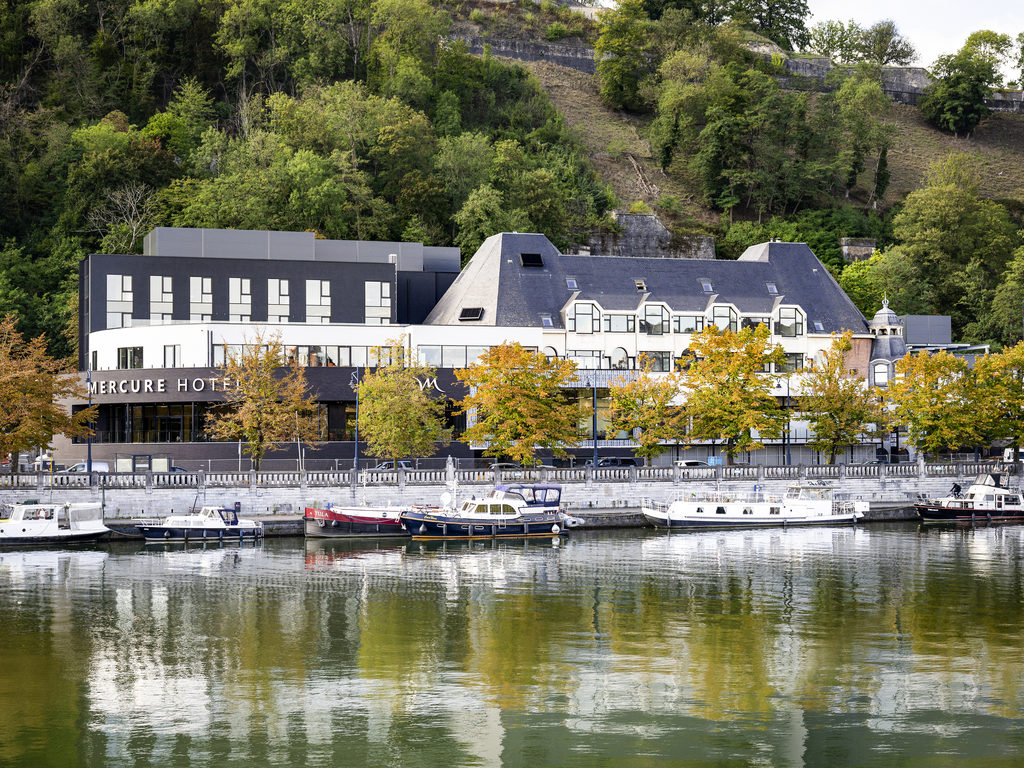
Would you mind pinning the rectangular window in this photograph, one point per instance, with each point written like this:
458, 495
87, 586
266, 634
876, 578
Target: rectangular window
584, 318
661, 362
753, 322
572, 284
534, 260
172, 355
453, 357
790, 322
772, 289
587, 359
240, 299
471, 313
620, 323
655, 321
377, 304
318, 301
129, 357
546, 321
95, 360
200, 296
430, 355
688, 323
119, 301
705, 285
278, 307
724, 318
794, 362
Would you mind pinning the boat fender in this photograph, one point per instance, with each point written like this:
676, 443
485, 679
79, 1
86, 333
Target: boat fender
422, 529
555, 528
320, 521
167, 534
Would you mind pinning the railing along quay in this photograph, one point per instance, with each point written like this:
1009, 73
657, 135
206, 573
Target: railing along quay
469, 477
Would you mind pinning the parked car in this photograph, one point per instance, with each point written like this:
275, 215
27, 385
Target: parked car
691, 463
391, 466
82, 467
617, 461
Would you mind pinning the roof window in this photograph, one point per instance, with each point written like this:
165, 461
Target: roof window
572, 284
531, 260
641, 285
772, 289
471, 313
818, 326
546, 321
706, 286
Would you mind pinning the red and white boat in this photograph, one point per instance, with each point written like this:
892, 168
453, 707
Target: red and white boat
347, 522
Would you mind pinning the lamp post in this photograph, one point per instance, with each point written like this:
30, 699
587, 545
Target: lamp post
788, 438
88, 442
354, 383
594, 422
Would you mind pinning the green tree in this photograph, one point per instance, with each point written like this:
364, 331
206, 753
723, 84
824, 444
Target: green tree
840, 407
934, 396
999, 379
782, 21
955, 102
397, 418
883, 44
621, 54
484, 214
643, 407
33, 388
835, 40
728, 394
516, 404
263, 406
1004, 317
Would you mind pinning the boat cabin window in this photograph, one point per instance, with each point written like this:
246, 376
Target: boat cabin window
481, 509
989, 498
773, 510
1011, 499
38, 513
5, 513
747, 511
507, 509
720, 510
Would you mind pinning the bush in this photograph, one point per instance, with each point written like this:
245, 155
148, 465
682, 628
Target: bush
477, 16
556, 31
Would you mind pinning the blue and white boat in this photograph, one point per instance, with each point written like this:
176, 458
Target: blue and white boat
511, 510
208, 524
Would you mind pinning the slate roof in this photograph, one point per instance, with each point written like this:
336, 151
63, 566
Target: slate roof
511, 294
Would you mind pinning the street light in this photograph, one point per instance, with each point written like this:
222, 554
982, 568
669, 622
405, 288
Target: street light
88, 442
354, 383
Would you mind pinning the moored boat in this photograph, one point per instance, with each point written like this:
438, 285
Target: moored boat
510, 510
349, 522
988, 499
51, 523
208, 524
805, 503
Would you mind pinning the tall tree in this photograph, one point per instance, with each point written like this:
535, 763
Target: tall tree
999, 379
728, 393
620, 52
955, 101
782, 21
840, 407
644, 407
838, 41
516, 403
397, 417
264, 405
32, 388
934, 396
883, 44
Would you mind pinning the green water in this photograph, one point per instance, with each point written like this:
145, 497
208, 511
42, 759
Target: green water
875, 646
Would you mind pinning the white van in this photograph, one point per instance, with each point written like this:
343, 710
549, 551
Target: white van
82, 467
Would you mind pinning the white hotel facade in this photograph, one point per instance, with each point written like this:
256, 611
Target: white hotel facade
155, 327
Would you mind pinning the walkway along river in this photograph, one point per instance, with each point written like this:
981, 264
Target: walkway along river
155, 494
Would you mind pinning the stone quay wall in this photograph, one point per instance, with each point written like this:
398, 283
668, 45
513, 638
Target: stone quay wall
154, 494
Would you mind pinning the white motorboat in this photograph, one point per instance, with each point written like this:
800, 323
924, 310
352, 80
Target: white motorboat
805, 503
51, 523
208, 524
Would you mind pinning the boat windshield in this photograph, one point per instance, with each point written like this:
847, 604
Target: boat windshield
5, 512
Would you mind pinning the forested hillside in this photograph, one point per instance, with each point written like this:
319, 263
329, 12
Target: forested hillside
359, 119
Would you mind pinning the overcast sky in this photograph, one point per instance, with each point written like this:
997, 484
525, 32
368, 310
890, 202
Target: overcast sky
933, 27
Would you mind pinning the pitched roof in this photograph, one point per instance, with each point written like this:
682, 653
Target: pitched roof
511, 294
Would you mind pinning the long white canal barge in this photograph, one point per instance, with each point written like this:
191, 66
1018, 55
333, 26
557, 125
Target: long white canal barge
33, 522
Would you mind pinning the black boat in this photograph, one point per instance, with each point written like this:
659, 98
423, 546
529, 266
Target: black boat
986, 500
511, 510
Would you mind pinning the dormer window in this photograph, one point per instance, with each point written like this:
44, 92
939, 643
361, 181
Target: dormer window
584, 318
641, 285
547, 321
772, 289
572, 284
534, 260
471, 313
706, 286
819, 327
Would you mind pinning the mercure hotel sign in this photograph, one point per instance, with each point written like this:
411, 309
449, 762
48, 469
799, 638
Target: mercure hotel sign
159, 385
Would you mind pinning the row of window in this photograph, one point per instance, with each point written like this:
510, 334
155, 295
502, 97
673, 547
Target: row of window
120, 301
660, 362
656, 320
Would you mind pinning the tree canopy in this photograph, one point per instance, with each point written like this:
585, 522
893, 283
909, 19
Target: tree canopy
516, 405
645, 407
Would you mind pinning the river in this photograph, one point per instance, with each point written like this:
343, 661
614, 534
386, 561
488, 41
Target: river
883, 645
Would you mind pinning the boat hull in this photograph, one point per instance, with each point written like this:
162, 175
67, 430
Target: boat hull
75, 537
424, 526
935, 513
343, 524
711, 522
175, 533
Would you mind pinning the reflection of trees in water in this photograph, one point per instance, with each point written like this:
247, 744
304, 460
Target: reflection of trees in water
374, 646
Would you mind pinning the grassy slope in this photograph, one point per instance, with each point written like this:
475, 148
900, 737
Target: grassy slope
614, 140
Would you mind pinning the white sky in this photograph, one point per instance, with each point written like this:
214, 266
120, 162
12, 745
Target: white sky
933, 27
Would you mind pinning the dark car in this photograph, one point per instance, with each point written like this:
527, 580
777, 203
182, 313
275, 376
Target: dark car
391, 466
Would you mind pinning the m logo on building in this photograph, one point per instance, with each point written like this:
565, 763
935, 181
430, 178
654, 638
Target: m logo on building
429, 383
